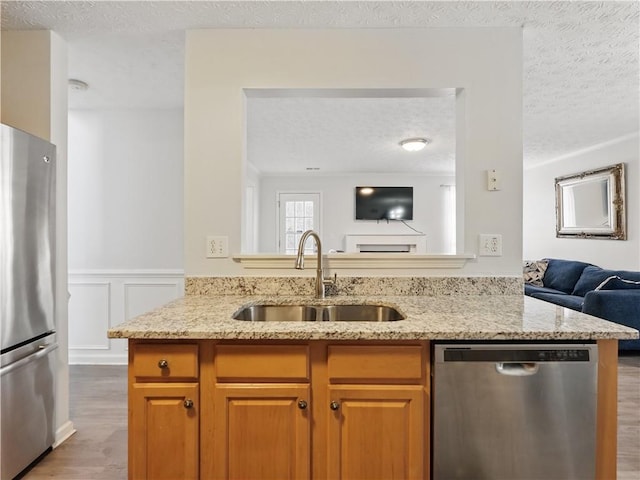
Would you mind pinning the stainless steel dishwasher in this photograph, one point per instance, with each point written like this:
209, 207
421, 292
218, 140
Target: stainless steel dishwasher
514, 411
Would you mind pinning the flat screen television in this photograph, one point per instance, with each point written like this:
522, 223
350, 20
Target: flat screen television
384, 203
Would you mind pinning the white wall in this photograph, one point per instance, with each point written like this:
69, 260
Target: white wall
125, 189
485, 62
338, 207
125, 223
250, 227
539, 239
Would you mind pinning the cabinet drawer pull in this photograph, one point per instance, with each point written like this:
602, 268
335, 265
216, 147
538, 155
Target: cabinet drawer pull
302, 404
334, 405
163, 363
188, 403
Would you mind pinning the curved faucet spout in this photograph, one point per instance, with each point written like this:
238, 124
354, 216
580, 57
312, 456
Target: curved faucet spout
303, 240
320, 280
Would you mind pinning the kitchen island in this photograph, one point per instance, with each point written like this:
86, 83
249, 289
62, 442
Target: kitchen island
214, 397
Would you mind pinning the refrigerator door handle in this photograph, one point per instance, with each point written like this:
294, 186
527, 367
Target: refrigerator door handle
45, 350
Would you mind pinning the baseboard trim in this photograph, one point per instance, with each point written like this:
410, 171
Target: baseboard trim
63, 433
84, 358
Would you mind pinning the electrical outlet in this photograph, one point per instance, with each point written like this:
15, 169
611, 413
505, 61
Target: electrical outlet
490, 245
217, 246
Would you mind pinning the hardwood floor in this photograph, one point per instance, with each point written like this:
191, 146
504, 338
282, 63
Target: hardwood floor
98, 451
629, 417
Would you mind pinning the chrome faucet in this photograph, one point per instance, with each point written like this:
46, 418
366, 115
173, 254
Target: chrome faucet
320, 280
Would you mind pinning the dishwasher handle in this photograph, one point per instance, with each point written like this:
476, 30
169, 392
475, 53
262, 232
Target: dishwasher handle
517, 369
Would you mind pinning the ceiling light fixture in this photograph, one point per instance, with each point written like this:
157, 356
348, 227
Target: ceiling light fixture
79, 85
414, 144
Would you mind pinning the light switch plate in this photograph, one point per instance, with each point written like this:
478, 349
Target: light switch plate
493, 180
217, 246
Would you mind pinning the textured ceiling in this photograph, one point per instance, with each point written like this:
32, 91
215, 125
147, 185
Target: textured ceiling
351, 134
581, 68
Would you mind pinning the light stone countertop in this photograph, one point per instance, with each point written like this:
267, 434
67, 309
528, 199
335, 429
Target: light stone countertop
445, 317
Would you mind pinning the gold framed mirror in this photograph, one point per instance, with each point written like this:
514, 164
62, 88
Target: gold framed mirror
591, 204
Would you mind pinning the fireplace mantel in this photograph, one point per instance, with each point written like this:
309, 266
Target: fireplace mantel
386, 243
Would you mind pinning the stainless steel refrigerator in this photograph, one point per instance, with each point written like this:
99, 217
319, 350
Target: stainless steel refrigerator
27, 299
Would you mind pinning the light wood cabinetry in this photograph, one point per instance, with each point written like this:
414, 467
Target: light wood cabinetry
164, 407
165, 362
376, 432
261, 431
262, 423
265, 410
378, 416
165, 431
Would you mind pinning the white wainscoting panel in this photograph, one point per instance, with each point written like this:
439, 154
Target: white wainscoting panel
101, 299
89, 312
142, 297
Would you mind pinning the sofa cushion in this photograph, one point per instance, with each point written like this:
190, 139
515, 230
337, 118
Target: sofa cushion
573, 302
620, 306
563, 274
593, 276
533, 272
531, 289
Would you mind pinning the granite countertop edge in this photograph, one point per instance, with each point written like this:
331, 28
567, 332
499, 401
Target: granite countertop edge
441, 317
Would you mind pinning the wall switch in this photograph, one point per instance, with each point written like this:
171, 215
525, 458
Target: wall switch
493, 180
217, 246
490, 245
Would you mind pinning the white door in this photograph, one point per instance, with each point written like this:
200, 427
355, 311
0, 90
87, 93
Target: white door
297, 212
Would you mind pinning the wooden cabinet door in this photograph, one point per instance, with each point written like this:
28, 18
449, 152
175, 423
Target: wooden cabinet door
163, 438
376, 432
261, 431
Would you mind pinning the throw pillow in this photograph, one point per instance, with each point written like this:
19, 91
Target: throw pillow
592, 276
533, 272
616, 283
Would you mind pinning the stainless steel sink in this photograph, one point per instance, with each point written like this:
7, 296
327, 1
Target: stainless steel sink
280, 313
311, 313
360, 313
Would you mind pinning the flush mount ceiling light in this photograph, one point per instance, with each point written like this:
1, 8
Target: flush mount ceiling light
79, 85
414, 144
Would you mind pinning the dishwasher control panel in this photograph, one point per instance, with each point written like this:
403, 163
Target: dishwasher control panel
453, 354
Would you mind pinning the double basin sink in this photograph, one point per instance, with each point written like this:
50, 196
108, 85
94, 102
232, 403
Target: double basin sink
317, 313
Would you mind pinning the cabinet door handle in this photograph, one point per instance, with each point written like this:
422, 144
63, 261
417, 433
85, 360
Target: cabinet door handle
163, 363
334, 405
302, 404
188, 403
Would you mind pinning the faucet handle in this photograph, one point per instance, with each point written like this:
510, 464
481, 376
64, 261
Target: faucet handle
329, 280
327, 283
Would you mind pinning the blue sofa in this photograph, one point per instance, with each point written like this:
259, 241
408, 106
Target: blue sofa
593, 290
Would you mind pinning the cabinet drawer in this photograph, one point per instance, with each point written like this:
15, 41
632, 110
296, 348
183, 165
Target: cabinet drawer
166, 361
276, 363
377, 364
